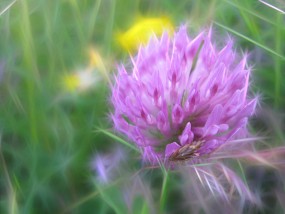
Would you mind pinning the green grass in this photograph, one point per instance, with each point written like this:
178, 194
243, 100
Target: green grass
48, 137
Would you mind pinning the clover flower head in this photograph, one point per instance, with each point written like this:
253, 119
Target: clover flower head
183, 97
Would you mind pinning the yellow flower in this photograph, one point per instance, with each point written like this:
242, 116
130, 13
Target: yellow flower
88, 76
141, 31
71, 82
80, 80
96, 61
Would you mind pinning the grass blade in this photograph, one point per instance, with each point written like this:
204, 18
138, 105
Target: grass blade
120, 140
249, 39
163, 188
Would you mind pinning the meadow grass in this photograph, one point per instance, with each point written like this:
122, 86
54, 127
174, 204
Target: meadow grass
49, 136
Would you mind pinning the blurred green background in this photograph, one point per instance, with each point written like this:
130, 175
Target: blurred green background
48, 133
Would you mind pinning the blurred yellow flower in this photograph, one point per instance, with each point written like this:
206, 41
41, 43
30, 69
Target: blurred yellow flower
87, 77
141, 31
80, 80
96, 61
71, 82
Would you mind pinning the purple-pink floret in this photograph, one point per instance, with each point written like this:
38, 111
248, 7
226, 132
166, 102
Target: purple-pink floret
181, 91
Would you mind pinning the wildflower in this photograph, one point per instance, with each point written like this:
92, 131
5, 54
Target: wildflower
95, 59
86, 78
96, 62
115, 178
80, 80
141, 31
107, 166
183, 98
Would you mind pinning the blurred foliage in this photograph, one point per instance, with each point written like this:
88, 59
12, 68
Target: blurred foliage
48, 136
